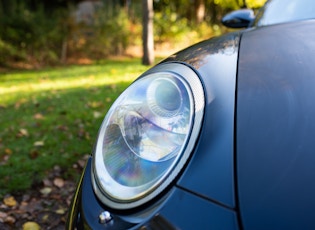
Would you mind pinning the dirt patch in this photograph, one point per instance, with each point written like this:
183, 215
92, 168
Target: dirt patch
43, 207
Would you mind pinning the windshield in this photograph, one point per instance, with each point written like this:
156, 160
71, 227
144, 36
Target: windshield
280, 11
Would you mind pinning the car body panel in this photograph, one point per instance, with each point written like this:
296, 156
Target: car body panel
171, 212
276, 127
211, 171
179, 212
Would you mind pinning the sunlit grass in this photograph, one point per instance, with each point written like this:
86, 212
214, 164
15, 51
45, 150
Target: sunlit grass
51, 117
12, 85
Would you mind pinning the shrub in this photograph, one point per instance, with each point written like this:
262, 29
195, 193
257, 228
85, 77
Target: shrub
169, 27
108, 34
31, 35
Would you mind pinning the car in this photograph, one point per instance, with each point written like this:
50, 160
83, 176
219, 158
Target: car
220, 135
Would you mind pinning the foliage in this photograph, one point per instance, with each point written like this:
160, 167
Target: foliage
108, 35
236, 4
30, 35
174, 19
51, 117
44, 32
255, 3
172, 25
169, 26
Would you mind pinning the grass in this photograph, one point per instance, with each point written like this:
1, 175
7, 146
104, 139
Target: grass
51, 117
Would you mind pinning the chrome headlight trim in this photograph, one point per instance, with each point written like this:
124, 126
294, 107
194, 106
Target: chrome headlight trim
195, 90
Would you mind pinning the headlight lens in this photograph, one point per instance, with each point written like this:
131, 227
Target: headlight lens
142, 141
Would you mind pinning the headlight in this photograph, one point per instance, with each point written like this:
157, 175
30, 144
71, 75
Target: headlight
147, 136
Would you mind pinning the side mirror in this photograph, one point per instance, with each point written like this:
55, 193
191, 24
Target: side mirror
239, 18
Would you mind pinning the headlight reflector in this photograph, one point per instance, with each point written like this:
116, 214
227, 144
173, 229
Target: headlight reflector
142, 141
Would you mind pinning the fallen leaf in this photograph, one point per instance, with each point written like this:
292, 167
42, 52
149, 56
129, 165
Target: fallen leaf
4, 159
38, 116
94, 104
59, 182
8, 151
10, 220
61, 211
57, 169
45, 218
31, 226
9, 201
87, 136
97, 114
46, 190
82, 162
3, 215
39, 143
22, 133
33, 154
47, 182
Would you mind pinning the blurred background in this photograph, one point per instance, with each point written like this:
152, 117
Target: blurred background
62, 64
41, 33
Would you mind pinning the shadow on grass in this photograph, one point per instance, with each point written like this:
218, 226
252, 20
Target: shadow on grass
50, 128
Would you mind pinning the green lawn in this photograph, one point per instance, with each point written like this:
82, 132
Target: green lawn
51, 117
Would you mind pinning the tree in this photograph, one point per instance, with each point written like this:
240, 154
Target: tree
147, 32
200, 10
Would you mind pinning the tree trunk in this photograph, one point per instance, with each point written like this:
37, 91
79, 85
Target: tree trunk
200, 10
147, 32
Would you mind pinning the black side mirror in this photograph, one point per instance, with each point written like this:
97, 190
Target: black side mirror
239, 18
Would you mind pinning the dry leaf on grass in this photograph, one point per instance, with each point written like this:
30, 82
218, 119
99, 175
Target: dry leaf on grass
10, 201
31, 226
39, 143
59, 182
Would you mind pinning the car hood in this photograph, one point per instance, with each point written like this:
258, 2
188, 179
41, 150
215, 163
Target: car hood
255, 151
275, 127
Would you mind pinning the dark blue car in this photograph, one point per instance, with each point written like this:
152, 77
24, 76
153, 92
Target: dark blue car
218, 136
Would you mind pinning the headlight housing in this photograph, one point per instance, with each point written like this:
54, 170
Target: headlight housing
147, 136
